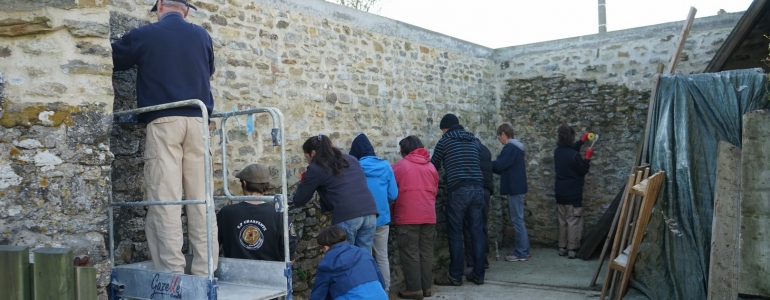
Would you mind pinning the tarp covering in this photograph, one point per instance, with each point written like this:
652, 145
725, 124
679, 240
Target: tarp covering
692, 113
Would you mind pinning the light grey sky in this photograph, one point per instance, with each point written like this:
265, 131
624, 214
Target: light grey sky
503, 23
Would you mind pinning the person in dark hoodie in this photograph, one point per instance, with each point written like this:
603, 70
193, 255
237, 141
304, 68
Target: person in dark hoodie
458, 153
341, 186
571, 170
346, 272
511, 166
382, 184
489, 188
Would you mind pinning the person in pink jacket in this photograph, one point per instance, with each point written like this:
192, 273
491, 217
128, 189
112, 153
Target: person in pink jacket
414, 213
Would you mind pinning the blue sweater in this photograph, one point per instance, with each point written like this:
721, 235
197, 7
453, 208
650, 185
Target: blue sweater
511, 166
348, 272
175, 60
379, 177
458, 152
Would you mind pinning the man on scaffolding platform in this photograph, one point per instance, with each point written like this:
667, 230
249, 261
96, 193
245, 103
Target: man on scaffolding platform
175, 60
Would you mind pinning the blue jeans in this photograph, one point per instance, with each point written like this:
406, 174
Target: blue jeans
520, 239
360, 231
465, 204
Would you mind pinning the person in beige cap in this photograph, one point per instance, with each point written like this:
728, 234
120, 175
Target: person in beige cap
254, 229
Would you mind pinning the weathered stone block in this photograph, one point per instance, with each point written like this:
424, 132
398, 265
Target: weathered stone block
87, 28
18, 27
80, 67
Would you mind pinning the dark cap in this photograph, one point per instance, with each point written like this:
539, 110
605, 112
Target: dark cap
185, 2
448, 120
255, 173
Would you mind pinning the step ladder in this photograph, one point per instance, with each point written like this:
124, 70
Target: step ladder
234, 278
641, 195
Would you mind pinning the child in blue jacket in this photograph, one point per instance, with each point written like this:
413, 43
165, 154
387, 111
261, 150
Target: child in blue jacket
346, 272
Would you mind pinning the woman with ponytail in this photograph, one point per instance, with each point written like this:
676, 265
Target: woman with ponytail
341, 185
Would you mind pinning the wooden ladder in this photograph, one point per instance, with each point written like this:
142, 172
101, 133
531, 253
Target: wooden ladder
634, 217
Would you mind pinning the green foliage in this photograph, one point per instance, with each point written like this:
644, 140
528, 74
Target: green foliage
301, 273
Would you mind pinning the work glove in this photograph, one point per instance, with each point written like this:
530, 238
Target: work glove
585, 137
589, 153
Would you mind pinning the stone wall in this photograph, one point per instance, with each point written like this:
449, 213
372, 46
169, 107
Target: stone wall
599, 83
56, 97
330, 70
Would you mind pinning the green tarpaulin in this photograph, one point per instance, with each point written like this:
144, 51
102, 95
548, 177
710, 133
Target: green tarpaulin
692, 113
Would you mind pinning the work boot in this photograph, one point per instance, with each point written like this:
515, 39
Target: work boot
447, 281
470, 278
562, 251
427, 293
410, 294
572, 254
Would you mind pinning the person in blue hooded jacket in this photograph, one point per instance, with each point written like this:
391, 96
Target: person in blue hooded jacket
346, 272
382, 184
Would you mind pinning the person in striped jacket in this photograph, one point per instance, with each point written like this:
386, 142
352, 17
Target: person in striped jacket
458, 153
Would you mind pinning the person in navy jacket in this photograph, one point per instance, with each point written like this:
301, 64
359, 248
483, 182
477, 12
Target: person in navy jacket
175, 61
382, 184
346, 272
341, 185
511, 166
571, 170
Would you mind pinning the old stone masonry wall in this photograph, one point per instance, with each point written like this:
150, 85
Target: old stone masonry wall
599, 83
329, 70
55, 102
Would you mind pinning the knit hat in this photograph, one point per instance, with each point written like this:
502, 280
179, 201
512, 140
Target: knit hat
254, 173
448, 120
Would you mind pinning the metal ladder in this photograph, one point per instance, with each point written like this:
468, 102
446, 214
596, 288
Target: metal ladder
234, 278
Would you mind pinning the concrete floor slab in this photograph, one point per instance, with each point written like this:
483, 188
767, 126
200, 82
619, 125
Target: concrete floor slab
545, 276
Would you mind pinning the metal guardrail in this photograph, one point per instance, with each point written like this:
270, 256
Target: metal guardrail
206, 169
279, 200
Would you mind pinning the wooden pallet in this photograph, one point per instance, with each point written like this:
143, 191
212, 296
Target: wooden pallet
634, 217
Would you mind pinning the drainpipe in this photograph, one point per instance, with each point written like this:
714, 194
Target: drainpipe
602, 17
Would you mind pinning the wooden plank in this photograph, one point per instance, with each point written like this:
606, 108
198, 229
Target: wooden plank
642, 158
610, 234
725, 229
680, 43
85, 283
54, 274
609, 278
14, 272
754, 278
601, 229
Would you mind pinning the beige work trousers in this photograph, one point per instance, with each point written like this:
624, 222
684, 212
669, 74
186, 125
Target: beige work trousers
570, 226
173, 167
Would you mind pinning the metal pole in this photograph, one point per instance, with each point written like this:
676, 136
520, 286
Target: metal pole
602, 17
207, 182
112, 233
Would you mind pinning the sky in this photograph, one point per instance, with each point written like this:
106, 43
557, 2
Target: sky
503, 23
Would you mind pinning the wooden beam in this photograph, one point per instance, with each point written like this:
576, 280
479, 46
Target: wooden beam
680, 43
741, 31
642, 159
54, 274
725, 234
754, 264
14, 272
85, 283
